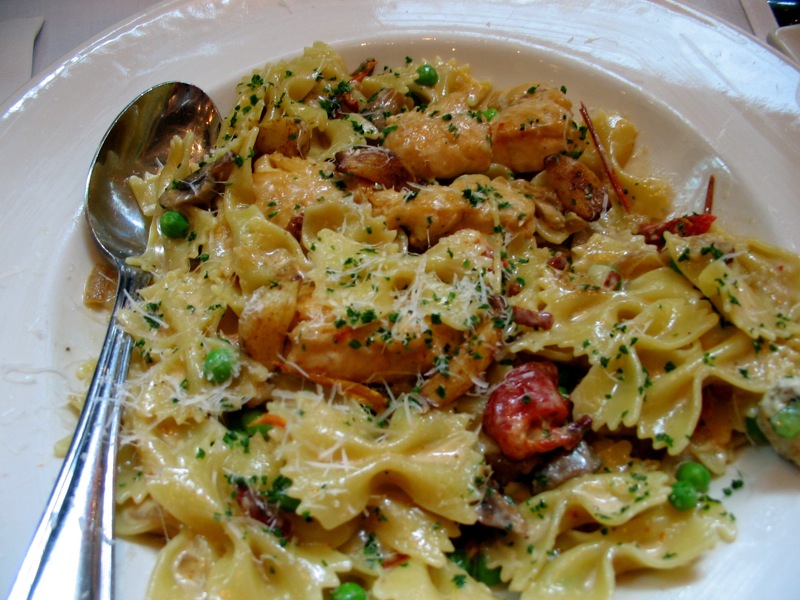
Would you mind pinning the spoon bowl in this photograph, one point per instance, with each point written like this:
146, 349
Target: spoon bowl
139, 140
71, 553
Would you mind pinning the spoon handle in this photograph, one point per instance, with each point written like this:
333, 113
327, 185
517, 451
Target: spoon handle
72, 552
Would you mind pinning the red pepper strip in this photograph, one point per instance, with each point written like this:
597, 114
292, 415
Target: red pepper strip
394, 561
365, 69
268, 419
610, 172
709, 205
350, 102
683, 226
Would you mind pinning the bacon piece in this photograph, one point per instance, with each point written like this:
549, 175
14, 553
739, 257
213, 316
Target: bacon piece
527, 415
537, 319
559, 261
256, 507
295, 227
395, 560
268, 419
613, 280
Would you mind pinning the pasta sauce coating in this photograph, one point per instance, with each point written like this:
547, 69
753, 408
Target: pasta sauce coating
455, 359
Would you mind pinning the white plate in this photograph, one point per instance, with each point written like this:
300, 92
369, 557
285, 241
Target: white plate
787, 40
704, 95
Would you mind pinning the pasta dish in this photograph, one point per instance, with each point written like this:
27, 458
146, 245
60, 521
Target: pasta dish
410, 335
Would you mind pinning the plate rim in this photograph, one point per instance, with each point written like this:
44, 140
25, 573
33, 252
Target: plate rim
58, 75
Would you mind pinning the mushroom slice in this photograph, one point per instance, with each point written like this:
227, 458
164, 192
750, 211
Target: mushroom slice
202, 186
498, 511
578, 189
374, 164
581, 460
386, 103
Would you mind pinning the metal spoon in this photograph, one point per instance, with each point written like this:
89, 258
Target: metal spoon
71, 554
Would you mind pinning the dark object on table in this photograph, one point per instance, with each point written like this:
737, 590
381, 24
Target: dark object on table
787, 12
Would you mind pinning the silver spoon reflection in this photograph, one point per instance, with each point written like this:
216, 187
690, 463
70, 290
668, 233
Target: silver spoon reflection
71, 553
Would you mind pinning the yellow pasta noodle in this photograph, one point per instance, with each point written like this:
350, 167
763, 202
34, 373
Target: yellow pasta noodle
417, 342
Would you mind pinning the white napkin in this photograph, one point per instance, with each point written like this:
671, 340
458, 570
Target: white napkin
16, 53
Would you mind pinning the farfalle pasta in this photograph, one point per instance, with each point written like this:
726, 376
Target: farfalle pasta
427, 338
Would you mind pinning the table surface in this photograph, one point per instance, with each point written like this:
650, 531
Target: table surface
70, 23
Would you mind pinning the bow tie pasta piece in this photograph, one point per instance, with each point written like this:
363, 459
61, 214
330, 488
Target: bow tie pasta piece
337, 456
416, 335
753, 284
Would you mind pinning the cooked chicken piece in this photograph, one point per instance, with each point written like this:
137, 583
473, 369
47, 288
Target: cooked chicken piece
363, 354
445, 140
470, 202
465, 364
265, 321
531, 123
285, 186
288, 135
410, 332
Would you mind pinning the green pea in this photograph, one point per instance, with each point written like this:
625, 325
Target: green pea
349, 591
461, 559
251, 415
684, 496
754, 431
427, 76
476, 566
697, 475
483, 573
219, 365
786, 421
174, 224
